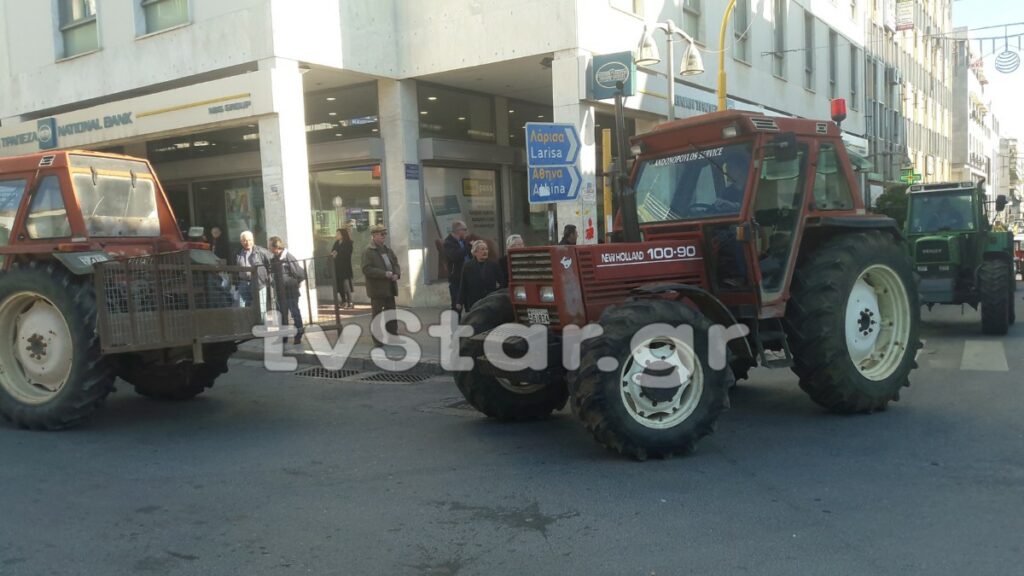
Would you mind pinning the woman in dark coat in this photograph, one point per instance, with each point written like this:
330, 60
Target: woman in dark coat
480, 277
342, 254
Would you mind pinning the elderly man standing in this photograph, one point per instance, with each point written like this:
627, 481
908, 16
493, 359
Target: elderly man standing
253, 288
381, 269
456, 253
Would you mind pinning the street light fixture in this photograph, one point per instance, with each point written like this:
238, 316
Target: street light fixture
647, 55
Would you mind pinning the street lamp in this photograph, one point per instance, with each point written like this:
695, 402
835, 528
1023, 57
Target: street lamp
647, 55
722, 103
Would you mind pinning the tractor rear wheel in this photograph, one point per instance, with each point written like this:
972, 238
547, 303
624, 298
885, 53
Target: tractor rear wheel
52, 374
857, 355
996, 300
178, 381
646, 388
504, 399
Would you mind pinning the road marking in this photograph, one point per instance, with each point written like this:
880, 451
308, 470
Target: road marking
987, 355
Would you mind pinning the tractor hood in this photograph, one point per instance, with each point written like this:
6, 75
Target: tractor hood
944, 249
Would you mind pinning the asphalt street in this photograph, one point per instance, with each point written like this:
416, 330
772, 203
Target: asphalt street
285, 474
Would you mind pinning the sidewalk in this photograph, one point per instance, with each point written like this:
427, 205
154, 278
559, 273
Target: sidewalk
360, 359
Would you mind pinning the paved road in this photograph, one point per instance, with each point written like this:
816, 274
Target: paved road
273, 474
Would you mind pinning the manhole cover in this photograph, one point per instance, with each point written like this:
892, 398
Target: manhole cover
320, 372
393, 377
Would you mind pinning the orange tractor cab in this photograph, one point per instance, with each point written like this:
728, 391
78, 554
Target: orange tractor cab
728, 221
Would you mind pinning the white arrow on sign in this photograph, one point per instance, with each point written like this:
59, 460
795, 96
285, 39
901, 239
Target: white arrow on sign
574, 144
575, 179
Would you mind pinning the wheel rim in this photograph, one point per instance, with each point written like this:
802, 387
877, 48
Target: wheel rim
36, 365
519, 387
877, 322
661, 383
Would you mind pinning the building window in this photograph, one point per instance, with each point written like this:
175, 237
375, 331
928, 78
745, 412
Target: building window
691, 19
809, 50
853, 9
164, 14
455, 114
833, 64
779, 44
741, 30
78, 27
342, 114
854, 76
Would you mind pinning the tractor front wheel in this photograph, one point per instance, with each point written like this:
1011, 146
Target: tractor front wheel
853, 320
52, 374
178, 381
996, 300
646, 387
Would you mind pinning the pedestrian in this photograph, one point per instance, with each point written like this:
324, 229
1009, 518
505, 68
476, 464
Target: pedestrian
382, 271
342, 254
288, 277
252, 288
456, 253
513, 241
480, 277
219, 244
569, 235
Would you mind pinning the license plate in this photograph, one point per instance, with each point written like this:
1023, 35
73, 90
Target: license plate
538, 316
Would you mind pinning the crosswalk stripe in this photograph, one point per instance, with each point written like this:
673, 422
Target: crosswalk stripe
986, 355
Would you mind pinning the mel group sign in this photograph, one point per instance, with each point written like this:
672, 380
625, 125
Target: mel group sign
552, 154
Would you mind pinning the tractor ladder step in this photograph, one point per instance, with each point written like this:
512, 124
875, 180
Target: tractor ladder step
773, 335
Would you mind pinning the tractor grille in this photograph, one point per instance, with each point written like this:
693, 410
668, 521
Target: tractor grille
531, 266
929, 251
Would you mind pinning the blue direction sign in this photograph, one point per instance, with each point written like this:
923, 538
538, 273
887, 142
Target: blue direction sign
550, 144
554, 183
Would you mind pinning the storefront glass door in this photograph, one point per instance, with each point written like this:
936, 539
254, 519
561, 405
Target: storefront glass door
345, 198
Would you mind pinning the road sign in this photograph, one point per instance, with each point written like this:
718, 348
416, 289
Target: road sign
552, 152
550, 144
553, 183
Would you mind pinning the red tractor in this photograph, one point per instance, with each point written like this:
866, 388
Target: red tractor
730, 223
96, 282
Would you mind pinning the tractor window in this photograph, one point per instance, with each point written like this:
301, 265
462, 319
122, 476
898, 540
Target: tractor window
699, 183
118, 197
831, 189
941, 212
11, 192
47, 216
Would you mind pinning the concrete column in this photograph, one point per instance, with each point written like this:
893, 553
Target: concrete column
285, 165
399, 128
568, 79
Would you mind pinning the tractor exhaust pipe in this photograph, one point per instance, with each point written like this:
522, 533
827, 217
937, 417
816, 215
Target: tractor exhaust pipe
624, 192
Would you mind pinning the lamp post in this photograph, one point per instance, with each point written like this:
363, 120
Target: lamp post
722, 103
647, 55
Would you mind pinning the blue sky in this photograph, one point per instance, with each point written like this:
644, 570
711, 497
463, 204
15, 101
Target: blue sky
1005, 90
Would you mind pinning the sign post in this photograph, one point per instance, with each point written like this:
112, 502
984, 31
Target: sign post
552, 165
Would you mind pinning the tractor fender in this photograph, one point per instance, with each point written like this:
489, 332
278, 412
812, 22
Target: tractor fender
80, 263
705, 302
856, 224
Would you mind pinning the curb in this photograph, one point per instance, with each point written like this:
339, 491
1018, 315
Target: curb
363, 363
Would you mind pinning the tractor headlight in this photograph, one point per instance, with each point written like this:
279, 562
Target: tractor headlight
547, 294
519, 293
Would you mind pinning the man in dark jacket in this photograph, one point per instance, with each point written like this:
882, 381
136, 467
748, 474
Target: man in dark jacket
252, 290
288, 276
381, 270
456, 253
569, 235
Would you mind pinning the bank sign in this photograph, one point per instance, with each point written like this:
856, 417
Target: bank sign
48, 133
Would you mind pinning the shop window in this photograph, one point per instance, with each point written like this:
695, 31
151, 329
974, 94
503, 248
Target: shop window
78, 27
519, 113
163, 14
348, 198
449, 113
47, 216
235, 206
205, 144
459, 194
342, 114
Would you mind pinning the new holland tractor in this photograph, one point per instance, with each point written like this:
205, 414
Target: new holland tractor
958, 255
728, 223
96, 282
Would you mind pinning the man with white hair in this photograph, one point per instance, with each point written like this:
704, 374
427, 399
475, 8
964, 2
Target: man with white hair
253, 288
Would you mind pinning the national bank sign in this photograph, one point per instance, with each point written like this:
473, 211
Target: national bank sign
48, 132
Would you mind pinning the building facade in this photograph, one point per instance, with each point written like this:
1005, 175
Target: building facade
972, 157
295, 118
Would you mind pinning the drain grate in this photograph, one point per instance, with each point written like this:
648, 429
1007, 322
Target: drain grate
323, 373
394, 377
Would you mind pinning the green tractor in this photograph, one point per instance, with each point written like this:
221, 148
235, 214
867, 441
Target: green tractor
959, 258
